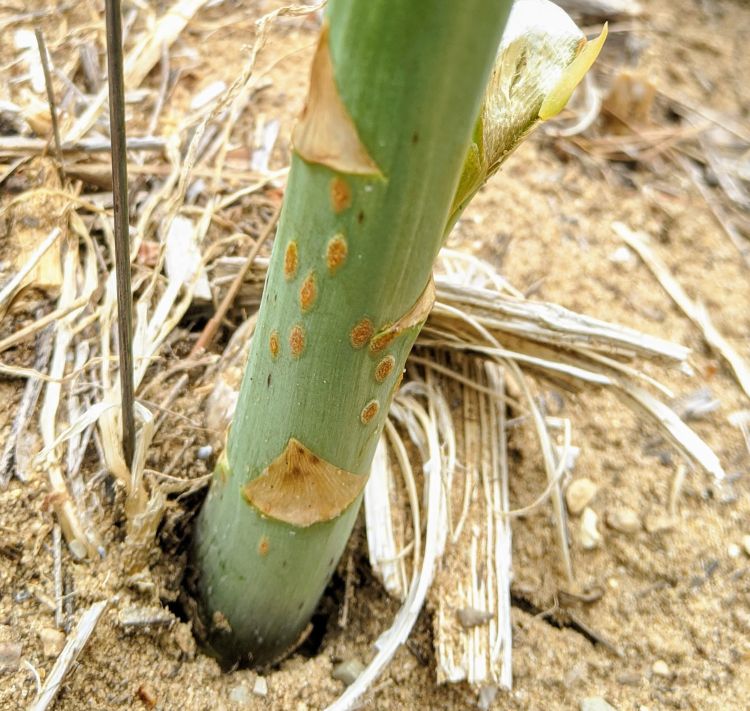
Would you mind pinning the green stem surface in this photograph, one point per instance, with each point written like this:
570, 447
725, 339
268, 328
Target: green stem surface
411, 77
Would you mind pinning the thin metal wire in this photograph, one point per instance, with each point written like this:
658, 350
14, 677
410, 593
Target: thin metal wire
122, 233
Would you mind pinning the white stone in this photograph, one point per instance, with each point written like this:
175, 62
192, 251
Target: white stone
661, 668
590, 536
240, 695
733, 550
657, 522
260, 688
52, 641
578, 495
622, 255
624, 520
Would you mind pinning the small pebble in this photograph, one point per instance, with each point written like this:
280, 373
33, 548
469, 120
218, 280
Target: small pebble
733, 550
629, 678
578, 495
151, 616
471, 617
240, 695
147, 695
746, 544
52, 641
661, 668
10, 657
487, 695
348, 671
205, 452
658, 522
596, 703
624, 520
77, 549
260, 688
622, 255
590, 536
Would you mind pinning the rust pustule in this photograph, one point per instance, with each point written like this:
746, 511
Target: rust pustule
336, 253
291, 261
369, 411
308, 292
382, 340
297, 340
301, 488
361, 333
341, 195
325, 132
384, 367
415, 316
273, 344
263, 546
397, 384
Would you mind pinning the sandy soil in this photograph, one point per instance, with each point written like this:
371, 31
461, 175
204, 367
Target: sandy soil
672, 612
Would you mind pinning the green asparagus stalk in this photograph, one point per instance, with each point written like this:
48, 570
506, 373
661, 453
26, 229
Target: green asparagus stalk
374, 188
394, 93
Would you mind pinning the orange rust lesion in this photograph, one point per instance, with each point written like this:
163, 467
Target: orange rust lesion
308, 292
325, 132
291, 261
384, 368
263, 546
300, 488
361, 333
415, 316
383, 339
336, 253
369, 411
274, 345
297, 340
397, 384
341, 195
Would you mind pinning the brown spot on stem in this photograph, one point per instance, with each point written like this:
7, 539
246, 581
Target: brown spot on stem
397, 384
336, 253
291, 260
274, 345
384, 368
369, 411
301, 488
325, 132
308, 292
263, 546
341, 195
384, 339
297, 340
361, 333
415, 316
